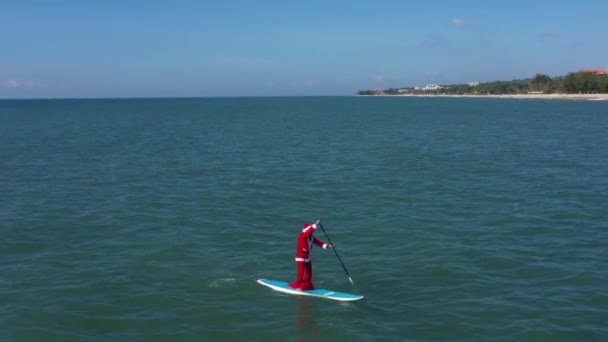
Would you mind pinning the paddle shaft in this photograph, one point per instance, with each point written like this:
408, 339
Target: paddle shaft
338, 255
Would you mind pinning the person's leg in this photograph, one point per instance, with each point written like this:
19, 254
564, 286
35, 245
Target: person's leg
307, 277
299, 275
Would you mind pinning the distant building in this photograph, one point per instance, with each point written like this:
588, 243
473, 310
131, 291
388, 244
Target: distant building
595, 71
431, 87
473, 84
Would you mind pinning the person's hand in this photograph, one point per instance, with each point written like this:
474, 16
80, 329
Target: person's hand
318, 221
330, 245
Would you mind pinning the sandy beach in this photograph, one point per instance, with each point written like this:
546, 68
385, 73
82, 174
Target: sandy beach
595, 97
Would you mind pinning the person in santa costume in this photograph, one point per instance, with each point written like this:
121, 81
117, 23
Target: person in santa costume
305, 242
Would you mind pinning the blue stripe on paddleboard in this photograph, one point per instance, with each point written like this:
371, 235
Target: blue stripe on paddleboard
283, 287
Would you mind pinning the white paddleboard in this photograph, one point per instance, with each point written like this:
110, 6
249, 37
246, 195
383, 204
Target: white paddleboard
282, 286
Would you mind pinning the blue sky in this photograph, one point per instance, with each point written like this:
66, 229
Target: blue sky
152, 48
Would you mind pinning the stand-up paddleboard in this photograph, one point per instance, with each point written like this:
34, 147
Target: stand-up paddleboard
282, 286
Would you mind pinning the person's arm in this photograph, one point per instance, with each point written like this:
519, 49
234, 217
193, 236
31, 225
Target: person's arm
318, 242
322, 244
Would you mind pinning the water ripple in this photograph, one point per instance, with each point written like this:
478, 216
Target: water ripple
152, 219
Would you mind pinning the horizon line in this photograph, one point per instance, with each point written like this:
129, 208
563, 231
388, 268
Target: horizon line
158, 97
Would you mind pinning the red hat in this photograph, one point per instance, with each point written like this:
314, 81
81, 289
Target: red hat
306, 226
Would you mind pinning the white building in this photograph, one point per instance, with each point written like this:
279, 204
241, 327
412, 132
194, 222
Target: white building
432, 87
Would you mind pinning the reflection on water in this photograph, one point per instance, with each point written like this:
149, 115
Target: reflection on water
306, 325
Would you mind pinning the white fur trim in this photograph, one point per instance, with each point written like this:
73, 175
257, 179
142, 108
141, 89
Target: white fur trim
313, 226
325, 246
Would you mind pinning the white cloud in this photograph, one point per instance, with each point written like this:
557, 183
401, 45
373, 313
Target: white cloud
12, 83
458, 22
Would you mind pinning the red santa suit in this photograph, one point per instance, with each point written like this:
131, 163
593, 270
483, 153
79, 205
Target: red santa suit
303, 263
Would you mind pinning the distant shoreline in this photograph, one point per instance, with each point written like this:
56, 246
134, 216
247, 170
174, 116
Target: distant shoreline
596, 97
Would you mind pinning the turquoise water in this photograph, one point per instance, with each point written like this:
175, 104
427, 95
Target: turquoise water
152, 219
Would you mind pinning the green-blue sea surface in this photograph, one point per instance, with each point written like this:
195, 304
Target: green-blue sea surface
152, 219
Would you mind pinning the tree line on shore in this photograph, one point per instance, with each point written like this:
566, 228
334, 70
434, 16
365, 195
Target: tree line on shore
572, 83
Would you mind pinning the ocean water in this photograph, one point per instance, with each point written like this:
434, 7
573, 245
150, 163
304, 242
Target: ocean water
152, 219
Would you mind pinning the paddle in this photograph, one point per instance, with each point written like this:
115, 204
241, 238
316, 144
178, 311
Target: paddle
335, 251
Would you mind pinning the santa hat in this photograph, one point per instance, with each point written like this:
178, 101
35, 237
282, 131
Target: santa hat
307, 226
